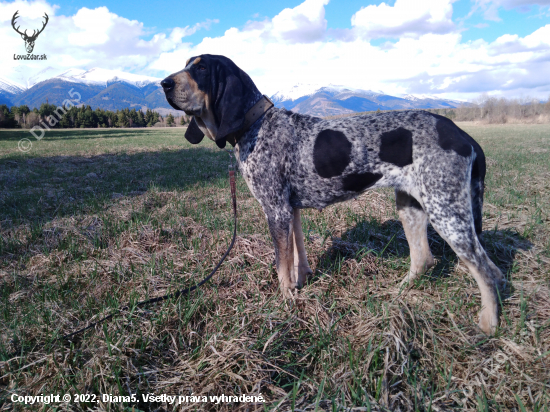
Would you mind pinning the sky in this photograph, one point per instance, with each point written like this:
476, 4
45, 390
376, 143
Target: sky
456, 49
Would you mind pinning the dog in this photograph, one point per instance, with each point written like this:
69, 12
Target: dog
292, 161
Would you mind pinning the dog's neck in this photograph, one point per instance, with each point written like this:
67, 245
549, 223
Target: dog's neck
207, 123
252, 115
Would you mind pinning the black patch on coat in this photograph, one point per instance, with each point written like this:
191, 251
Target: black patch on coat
358, 182
415, 204
404, 200
331, 153
396, 147
479, 166
451, 138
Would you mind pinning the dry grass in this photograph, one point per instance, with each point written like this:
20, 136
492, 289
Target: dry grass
157, 218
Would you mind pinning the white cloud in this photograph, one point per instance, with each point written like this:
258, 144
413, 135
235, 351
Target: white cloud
90, 38
94, 26
428, 56
405, 17
426, 62
490, 7
303, 24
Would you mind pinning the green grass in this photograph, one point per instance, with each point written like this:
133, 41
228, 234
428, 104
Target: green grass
92, 220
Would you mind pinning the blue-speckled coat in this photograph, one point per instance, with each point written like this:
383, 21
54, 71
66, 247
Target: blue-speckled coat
292, 161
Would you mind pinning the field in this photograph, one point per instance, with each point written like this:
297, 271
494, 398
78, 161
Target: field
91, 220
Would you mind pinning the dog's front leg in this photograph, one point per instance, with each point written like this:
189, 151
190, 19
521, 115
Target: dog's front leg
281, 228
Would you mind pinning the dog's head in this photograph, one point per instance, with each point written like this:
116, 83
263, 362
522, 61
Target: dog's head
215, 92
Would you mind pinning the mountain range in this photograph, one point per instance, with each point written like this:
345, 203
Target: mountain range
336, 100
114, 90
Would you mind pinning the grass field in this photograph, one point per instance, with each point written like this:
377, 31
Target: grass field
91, 220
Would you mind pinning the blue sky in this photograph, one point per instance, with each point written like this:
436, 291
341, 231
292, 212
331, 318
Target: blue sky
165, 15
452, 48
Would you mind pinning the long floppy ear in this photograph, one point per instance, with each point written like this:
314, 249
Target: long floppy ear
229, 108
193, 133
232, 89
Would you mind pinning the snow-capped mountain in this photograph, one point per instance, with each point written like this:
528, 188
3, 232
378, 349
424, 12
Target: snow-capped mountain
8, 90
104, 77
335, 100
115, 89
10, 87
99, 88
413, 98
95, 76
301, 90
425, 97
295, 92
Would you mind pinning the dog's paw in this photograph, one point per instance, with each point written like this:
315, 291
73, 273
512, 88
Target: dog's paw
408, 279
289, 291
303, 272
488, 321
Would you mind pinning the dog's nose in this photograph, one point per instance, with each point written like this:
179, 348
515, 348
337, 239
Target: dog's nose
167, 83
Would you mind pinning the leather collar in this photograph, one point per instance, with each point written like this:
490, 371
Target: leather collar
262, 106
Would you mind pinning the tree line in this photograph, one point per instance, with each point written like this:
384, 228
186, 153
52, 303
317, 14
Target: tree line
492, 109
83, 117
486, 108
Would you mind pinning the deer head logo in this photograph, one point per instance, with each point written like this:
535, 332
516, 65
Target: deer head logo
29, 40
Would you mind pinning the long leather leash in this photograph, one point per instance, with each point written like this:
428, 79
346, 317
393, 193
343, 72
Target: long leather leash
174, 295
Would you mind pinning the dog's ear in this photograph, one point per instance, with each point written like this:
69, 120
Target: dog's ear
228, 108
231, 90
193, 133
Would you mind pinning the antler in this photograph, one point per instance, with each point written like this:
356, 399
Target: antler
34, 34
15, 16
43, 26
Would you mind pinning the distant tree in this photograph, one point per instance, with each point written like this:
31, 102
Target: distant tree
140, 121
7, 118
65, 121
170, 119
33, 119
123, 119
20, 114
133, 118
149, 118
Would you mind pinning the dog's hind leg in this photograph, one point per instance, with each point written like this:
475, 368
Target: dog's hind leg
301, 267
450, 213
281, 227
415, 223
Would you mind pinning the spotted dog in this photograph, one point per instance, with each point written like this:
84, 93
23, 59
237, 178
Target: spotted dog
292, 161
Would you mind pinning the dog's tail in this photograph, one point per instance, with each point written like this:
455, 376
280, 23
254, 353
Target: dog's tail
477, 187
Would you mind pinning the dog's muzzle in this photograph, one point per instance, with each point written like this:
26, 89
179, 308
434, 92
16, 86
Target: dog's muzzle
168, 86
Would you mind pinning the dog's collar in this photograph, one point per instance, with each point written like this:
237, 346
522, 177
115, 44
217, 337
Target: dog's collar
262, 106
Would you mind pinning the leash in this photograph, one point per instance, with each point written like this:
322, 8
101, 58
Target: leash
180, 292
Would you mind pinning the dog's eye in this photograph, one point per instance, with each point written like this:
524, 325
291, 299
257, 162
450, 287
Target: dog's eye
201, 68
